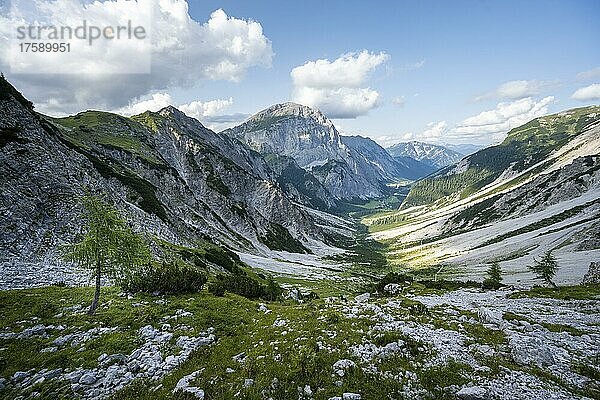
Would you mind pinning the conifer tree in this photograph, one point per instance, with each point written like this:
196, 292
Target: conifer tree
107, 247
494, 276
545, 268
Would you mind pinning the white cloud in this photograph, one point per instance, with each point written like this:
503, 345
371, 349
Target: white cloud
212, 108
183, 52
487, 126
210, 113
515, 90
434, 131
336, 87
340, 102
587, 93
349, 70
155, 103
506, 116
589, 75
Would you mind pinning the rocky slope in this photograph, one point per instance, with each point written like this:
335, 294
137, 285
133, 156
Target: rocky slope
312, 140
524, 147
431, 154
467, 344
538, 191
299, 183
173, 177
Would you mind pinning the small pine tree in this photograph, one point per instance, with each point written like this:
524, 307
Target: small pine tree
545, 268
272, 291
108, 246
494, 278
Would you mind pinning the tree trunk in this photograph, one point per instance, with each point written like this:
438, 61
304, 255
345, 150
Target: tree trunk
94, 305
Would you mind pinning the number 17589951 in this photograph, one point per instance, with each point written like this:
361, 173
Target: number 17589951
44, 47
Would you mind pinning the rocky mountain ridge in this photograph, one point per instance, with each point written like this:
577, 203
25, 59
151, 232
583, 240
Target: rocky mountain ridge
538, 191
431, 154
174, 178
348, 167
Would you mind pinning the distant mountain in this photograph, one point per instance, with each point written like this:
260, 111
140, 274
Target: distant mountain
434, 155
299, 183
464, 149
390, 168
418, 169
348, 168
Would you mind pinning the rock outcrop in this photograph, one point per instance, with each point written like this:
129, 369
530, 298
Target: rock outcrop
592, 277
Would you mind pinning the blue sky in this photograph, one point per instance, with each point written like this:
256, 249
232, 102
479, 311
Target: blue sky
436, 71
467, 49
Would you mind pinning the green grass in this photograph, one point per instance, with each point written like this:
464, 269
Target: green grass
294, 355
436, 378
92, 129
363, 256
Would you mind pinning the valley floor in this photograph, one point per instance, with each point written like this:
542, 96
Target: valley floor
415, 344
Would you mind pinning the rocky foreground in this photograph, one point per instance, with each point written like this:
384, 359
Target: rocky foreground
412, 343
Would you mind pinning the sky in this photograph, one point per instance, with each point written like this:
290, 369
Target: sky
440, 72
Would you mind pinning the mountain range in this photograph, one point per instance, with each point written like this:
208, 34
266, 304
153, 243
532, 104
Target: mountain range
178, 180
256, 188
433, 155
349, 167
277, 185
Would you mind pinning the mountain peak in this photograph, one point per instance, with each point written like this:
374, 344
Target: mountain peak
290, 109
7, 90
179, 116
432, 154
171, 111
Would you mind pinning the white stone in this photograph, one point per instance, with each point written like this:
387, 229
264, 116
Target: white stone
88, 379
472, 393
362, 298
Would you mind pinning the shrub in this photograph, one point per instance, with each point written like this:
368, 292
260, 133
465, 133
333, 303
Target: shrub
545, 268
173, 277
246, 286
225, 258
272, 291
393, 277
217, 288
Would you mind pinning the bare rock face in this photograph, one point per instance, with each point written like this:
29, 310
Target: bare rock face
171, 176
593, 274
348, 167
569, 182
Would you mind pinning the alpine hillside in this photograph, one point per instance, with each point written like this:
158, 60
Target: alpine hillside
178, 181
537, 191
